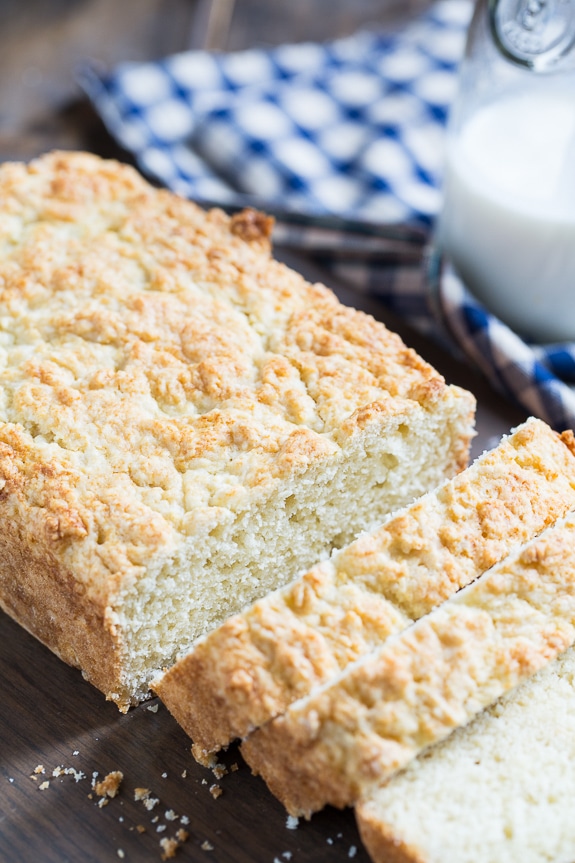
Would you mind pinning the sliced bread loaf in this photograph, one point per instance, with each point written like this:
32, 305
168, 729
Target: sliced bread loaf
337, 744
252, 667
184, 422
499, 790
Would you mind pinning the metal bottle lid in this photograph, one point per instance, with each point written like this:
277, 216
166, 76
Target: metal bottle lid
538, 34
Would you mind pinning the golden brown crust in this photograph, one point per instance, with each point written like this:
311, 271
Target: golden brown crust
252, 226
381, 845
172, 304
40, 517
48, 601
338, 744
251, 668
568, 439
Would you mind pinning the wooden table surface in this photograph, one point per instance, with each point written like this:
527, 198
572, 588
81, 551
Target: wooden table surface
50, 717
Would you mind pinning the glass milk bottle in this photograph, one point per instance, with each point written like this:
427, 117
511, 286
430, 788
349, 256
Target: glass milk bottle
508, 220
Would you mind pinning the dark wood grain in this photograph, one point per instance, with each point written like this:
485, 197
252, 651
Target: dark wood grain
49, 712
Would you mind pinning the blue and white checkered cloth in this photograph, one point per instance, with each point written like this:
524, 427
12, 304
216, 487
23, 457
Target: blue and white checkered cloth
343, 142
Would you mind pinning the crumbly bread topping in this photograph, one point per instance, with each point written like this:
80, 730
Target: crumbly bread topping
183, 420
336, 745
499, 790
250, 669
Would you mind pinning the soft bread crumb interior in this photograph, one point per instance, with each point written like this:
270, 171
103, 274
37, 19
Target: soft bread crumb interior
260, 547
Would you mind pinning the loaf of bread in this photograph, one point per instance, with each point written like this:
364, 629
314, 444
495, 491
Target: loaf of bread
250, 669
185, 423
499, 790
337, 744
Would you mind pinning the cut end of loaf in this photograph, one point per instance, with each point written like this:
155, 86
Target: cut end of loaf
266, 544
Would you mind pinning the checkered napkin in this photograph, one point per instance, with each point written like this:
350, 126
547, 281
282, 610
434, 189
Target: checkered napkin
343, 142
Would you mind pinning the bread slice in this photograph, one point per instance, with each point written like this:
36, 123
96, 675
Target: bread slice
499, 790
250, 669
184, 422
338, 744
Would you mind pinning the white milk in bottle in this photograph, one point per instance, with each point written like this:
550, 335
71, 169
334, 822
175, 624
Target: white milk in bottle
508, 219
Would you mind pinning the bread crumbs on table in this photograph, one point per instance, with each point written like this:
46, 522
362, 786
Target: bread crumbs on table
71, 771
109, 785
169, 848
171, 845
44, 785
206, 846
216, 791
141, 793
170, 815
219, 770
153, 708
